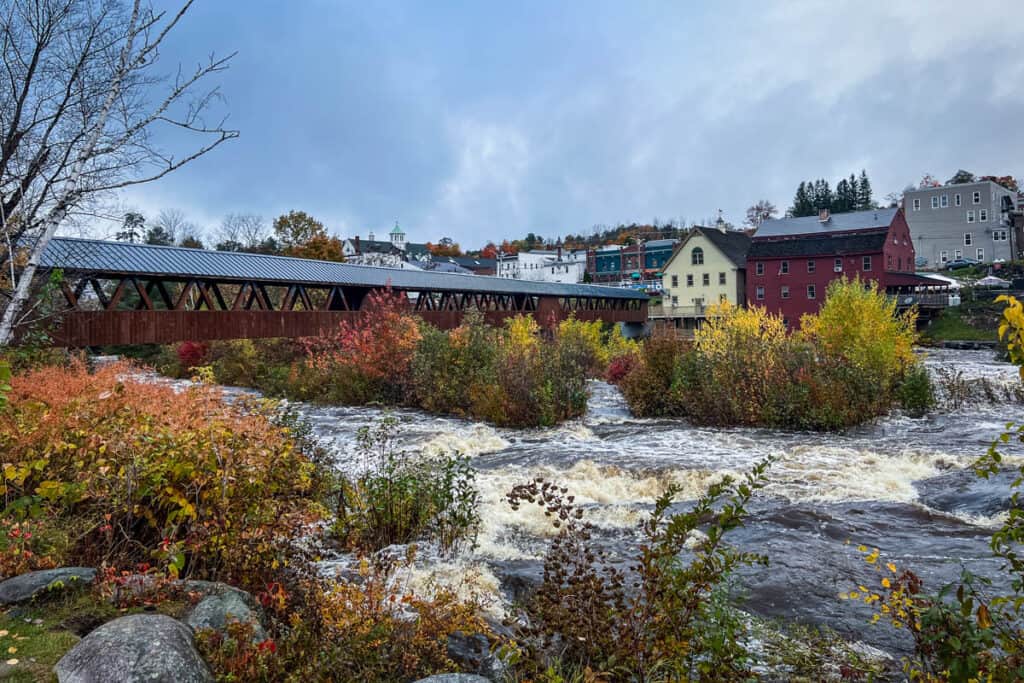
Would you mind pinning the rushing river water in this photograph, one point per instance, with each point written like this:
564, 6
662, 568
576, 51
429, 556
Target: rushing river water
900, 484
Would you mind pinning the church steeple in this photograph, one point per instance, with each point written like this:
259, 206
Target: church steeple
397, 237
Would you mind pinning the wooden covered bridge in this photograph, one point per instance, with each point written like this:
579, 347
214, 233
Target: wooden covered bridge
122, 293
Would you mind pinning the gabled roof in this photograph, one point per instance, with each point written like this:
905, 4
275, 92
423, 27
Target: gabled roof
732, 243
146, 260
820, 245
837, 222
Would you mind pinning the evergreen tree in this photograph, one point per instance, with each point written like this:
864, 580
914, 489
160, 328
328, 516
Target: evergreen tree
803, 204
864, 199
822, 195
842, 202
854, 193
159, 236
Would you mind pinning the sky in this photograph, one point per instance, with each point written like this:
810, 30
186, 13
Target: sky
483, 120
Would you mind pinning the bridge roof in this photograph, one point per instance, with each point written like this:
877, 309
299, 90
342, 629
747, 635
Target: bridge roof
123, 258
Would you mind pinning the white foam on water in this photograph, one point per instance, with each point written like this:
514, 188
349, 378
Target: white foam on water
471, 440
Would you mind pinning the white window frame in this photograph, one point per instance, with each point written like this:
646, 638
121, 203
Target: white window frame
968, 239
970, 216
784, 292
675, 280
705, 279
980, 253
865, 263
812, 292
759, 293
784, 268
976, 197
957, 200
917, 204
811, 266
958, 254
689, 279
722, 278
837, 266
944, 203
935, 201
943, 257
759, 268
999, 235
982, 215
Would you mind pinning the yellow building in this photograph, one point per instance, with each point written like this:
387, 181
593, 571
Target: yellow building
709, 266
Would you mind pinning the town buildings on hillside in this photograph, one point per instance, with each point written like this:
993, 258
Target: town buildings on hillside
708, 267
543, 265
791, 261
638, 262
968, 220
390, 253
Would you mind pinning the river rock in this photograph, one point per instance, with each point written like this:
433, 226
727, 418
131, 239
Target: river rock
150, 648
26, 586
453, 678
217, 611
473, 652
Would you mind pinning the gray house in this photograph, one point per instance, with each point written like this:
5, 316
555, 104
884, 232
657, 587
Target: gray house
970, 220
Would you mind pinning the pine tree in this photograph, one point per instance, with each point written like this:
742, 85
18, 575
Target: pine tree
864, 199
822, 195
842, 202
854, 193
800, 201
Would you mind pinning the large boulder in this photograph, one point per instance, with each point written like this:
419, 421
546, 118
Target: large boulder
453, 678
216, 611
472, 651
29, 585
150, 648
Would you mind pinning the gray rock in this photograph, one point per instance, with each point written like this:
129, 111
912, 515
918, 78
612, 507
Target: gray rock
27, 586
217, 611
473, 653
141, 647
453, 678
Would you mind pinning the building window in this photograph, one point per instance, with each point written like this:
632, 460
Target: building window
968, 239
917, 205
785, 292
935, 202
721, 278
675, 301
999, 236
705, 279
697, 256
958, 254
866, 263
982, 215
981, 254
784, 268
759, 268
956, 199
943, 256
838, 267
759, 292
689, 280
945, 201
888, 261
811, 265
970, 216
976, 198
675, 280
811, 293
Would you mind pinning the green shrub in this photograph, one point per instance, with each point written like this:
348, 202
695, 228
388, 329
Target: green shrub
403, 497
915, 393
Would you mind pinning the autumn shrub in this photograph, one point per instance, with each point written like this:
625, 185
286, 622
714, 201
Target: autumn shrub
619, 367
847, 365
660, 619
135, 472
191, 354
648, 387
401, 497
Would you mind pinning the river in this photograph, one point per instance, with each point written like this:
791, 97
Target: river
900, 484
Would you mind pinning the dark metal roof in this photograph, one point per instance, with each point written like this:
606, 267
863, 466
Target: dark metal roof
837, 222
734, 244
122, 258
820, 245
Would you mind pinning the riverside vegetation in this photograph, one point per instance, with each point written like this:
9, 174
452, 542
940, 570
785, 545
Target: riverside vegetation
508, 376
851, 362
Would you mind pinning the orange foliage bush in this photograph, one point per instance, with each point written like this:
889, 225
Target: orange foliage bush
139, 472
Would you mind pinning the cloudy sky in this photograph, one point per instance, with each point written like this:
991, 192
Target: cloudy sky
486, 120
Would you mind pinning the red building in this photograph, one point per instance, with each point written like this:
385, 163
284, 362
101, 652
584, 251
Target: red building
792, 260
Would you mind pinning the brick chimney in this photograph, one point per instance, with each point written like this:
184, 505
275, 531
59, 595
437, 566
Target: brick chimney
356, 240
823, 216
